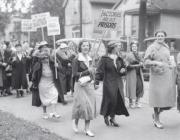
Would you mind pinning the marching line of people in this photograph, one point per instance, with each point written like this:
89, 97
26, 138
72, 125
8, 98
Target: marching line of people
55, 72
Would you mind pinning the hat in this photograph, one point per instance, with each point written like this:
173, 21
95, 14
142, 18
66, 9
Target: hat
63, 45
110, 44
41, 44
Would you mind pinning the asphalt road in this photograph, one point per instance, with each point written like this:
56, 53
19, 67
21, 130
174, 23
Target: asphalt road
138, 126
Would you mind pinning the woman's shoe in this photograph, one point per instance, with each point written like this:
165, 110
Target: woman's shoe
89, 133
132, 106
45, 116
75, 127
55, 115
158, 125
106, 121
114, 123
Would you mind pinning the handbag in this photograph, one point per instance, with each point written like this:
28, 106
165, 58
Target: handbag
36, 101
83, 80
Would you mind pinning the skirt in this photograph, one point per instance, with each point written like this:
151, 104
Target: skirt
84, 106
47, 91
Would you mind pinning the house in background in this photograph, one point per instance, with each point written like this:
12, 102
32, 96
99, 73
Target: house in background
90, 13
161, 14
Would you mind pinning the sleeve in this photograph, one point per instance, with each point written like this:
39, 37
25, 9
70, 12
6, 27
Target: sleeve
178, 58
149, 56
75, 73
100, 71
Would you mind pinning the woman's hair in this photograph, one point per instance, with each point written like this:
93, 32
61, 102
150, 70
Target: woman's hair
81, 43
160, 31
18, 45
134, 42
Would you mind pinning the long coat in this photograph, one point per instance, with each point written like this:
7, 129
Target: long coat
36, 77
19, 79
132, 81
113, 93
162, 88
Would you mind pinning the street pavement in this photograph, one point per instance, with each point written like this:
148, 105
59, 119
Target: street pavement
138, 126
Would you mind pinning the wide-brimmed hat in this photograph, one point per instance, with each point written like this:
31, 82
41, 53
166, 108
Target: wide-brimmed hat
42, 44
110, 43
63, 45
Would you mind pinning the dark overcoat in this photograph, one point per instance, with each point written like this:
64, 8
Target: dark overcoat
36, 77
19, 78
113, 89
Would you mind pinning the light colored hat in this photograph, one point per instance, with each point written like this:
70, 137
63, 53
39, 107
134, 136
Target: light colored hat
41, 44
63, 45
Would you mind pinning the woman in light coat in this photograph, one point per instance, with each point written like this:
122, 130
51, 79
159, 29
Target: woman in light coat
162, 93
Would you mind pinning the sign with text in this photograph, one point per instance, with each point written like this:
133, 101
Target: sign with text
40, 20
53, 26
26, 25
108, 20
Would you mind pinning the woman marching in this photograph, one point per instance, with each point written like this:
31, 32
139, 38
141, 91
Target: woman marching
43, 79
110, 69
84, 100
134, 78
162, 94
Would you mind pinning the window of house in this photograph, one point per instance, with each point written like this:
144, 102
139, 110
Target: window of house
76, 32
134, 26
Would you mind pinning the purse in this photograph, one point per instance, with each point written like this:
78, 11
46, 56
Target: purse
83, 80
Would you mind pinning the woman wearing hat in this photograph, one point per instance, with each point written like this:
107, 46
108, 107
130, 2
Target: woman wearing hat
110, 69
134, 78
19, 79
162, 94
43, 78
84, 106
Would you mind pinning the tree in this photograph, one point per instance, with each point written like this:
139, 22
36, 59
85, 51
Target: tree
55, 7
4, 21
142, 23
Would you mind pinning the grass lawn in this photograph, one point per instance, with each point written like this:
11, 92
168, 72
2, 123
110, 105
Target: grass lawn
12, 128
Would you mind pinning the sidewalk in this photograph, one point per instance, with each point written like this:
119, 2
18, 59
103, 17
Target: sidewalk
138, 126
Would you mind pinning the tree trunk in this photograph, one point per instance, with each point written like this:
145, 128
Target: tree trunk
142, 24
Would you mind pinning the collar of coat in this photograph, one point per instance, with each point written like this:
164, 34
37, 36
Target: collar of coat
82, 58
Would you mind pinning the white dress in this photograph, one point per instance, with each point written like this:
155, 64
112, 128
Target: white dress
47, 90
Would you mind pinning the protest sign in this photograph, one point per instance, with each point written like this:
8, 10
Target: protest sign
40, 20
109, 20
26, 25
53, 26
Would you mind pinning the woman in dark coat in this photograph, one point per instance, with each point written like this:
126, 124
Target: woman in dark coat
19, 79
110, 69
44, 80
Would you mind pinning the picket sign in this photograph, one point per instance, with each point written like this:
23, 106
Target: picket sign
26, 26
40, 21
53, 29
109, 20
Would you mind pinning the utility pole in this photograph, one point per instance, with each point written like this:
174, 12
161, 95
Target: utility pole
142, 23
81, 18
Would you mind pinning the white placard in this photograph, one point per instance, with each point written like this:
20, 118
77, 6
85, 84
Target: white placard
26, 26
40, 20
108, 20
53, 26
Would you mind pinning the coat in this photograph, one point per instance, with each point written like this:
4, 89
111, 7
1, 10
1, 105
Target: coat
162, 86
132, 80
113, 93
19, 79
36, 77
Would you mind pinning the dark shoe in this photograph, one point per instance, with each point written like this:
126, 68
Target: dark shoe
106, 121
18, 94
64, 102
114, 123
22, 93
